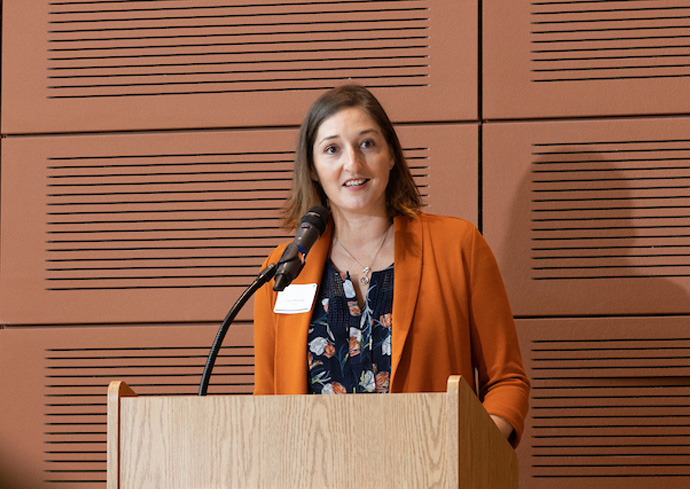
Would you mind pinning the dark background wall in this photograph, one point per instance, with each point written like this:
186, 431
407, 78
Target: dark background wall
146, 150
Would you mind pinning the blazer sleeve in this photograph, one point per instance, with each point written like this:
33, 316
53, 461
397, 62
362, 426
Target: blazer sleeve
503, 383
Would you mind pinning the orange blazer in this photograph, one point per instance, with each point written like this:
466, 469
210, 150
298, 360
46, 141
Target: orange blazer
450, 316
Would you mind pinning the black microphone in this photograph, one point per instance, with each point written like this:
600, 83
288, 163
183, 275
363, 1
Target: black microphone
312, 225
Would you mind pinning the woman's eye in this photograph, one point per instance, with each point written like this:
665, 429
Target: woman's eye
330, 150
368, 143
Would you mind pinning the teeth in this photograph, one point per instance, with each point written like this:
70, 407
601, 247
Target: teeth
355, 183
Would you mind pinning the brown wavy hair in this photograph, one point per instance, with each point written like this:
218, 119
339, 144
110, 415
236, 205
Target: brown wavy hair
402, 195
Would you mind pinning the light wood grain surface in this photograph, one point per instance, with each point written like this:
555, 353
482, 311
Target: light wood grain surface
353, 441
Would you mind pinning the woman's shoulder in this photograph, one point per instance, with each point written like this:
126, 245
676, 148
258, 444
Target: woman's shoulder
443, 232
276, 253
447, 224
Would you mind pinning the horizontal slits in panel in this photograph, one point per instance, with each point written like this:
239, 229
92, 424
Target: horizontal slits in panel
584, 358
75, 408
581, 41
62, 417
611, 209
162, 220
157, 227
187, 64
610, 403
604, 431
136, 49
586, 58
591, 218
165, 227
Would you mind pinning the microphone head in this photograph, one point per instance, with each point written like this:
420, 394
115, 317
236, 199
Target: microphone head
317, 216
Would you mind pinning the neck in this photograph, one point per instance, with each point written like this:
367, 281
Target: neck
362, 246
359, 230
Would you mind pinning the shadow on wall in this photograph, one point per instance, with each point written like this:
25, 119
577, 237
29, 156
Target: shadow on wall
16, 475
586, 237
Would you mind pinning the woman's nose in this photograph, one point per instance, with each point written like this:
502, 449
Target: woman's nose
351, 159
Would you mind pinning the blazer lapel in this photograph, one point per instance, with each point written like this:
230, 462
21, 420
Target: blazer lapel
292, 329
408, 275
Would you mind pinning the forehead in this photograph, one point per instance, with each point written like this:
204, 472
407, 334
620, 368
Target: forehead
345, 122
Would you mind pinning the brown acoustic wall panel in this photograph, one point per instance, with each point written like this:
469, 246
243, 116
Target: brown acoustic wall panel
102, 66
54, 384
585, 58
610, 403
169, 227
590, 217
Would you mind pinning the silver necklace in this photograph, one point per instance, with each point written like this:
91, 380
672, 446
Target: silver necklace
364, 279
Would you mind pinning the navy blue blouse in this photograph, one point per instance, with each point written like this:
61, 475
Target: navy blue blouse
349, 350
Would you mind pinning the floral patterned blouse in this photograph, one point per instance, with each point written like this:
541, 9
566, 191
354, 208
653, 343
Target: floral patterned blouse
349, 350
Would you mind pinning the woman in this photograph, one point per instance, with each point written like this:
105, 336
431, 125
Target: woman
404, 298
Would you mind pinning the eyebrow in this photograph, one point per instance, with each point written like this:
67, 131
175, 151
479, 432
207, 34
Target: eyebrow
327, 138
335, 136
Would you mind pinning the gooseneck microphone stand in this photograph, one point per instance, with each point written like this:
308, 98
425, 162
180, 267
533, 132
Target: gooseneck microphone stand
264, 276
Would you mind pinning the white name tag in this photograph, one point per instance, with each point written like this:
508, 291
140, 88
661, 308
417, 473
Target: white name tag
295, 299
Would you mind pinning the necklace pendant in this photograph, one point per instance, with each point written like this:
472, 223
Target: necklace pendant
364, 280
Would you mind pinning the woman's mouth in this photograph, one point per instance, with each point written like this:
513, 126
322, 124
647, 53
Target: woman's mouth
356, 183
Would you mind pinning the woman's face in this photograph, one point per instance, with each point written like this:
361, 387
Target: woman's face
352, 162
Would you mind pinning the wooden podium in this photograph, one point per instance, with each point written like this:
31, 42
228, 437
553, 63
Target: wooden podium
432, 440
